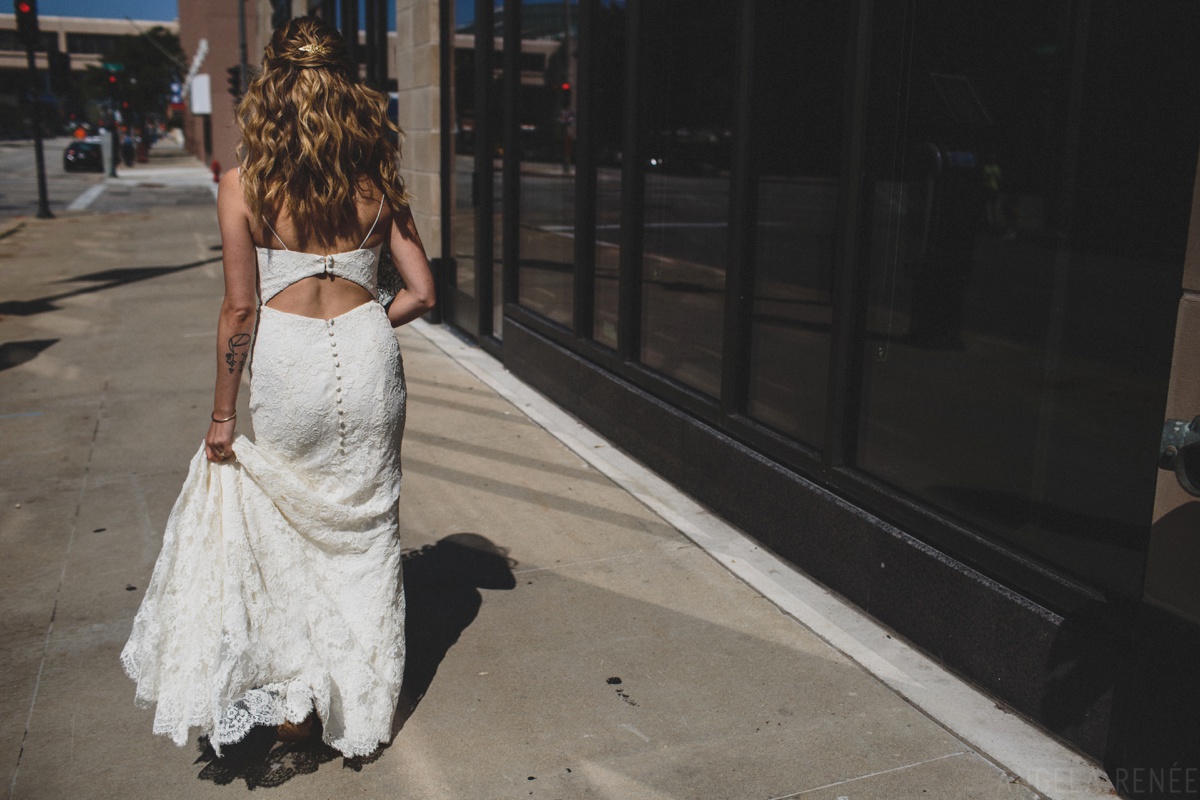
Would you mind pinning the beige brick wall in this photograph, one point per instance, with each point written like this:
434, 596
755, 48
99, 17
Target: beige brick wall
416, 60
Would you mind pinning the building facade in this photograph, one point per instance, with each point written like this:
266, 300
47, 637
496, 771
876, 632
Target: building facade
905, 290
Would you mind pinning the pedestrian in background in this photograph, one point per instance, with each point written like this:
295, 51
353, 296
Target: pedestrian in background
276, 599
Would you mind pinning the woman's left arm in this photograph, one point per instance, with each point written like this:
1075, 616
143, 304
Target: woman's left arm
408, 254
239, 309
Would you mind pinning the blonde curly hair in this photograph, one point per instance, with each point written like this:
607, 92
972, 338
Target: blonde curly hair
313, 136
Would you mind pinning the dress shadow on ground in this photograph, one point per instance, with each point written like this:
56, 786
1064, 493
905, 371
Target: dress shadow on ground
441, 592
442, 598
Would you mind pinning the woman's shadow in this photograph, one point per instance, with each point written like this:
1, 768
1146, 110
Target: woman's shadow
441, 589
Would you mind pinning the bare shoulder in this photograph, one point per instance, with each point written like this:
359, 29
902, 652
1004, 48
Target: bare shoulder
230, 187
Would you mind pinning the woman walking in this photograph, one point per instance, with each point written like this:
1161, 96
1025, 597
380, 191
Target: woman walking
277, 594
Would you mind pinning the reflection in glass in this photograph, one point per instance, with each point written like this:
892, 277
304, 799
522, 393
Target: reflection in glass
687, 86
498, 250
546, 113
1024, 265
796, 130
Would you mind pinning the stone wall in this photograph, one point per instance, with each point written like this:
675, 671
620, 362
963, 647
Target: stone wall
417, 56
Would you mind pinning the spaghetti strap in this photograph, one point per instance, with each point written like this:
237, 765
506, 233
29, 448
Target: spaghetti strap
277, 236
378, 214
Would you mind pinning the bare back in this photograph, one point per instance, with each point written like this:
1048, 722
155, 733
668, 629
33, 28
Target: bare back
326, 296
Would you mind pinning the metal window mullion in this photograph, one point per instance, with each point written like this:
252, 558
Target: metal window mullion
584, 294
629, 284
349, 27
846, 345
370, 20
484, 181
739, 269
511, 212
445, 275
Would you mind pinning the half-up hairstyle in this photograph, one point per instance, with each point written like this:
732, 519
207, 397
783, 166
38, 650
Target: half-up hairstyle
312, 134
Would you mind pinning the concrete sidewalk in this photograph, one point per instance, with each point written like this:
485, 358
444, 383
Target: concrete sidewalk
565, 641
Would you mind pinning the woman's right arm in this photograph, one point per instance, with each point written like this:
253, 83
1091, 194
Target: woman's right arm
235, 325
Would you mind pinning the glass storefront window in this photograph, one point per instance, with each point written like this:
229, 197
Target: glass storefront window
688, 51
796, 149
1029, 174
546, 138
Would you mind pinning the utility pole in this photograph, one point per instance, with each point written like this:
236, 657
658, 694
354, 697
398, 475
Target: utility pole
27, 31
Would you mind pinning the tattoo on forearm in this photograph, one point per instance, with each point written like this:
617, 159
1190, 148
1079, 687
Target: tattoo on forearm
239, 349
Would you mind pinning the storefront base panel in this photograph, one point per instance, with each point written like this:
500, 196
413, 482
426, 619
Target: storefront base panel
1059, 671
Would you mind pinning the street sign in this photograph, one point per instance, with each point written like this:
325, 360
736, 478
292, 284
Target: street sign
201, 94
113, 67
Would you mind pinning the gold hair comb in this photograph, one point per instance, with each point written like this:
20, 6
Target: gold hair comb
314, 49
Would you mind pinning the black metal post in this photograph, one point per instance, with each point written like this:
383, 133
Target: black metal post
739, 274
381, 44
584, 296
511, 208
35, 100
445, 270
845, 363
370, 46
376, 49
349, 28
484, 177
243, 75
629, 285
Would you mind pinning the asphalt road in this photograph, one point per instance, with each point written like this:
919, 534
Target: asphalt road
18, 179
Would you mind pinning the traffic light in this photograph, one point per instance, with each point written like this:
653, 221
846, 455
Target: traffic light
27, 22
235, 81
565, 88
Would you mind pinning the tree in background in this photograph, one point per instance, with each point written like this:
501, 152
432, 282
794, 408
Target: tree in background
150, 62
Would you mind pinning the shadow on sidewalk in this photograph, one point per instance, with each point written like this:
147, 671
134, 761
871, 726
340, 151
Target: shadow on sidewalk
105, 279
14, 354
441, 590
442, 598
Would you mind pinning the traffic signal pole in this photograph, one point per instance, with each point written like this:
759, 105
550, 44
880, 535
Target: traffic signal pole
243, 72
25, 12
43, 211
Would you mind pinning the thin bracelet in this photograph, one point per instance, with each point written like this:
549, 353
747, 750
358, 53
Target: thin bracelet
231, 416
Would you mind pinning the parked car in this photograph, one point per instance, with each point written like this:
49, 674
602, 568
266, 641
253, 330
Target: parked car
83, 156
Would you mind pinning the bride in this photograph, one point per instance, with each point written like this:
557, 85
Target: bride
277, 594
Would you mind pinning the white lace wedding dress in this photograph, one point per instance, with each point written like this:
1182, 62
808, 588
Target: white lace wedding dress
278, 587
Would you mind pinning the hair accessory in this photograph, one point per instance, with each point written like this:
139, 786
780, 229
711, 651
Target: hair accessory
314, 49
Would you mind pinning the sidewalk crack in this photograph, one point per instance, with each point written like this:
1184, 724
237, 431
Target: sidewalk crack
83, 483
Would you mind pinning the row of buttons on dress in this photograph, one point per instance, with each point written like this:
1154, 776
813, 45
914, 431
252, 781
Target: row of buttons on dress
337, 372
